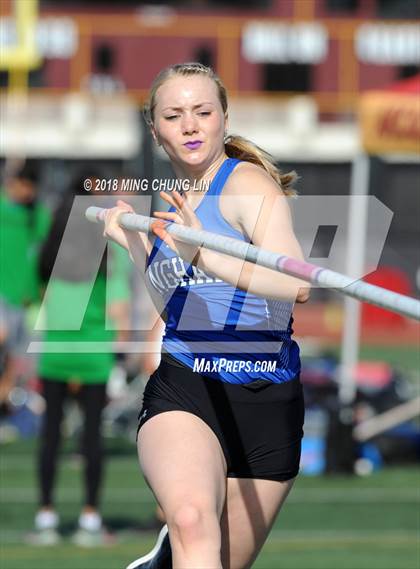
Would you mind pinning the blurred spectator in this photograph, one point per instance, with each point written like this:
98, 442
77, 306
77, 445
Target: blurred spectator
103, 80
24, 224
68, 268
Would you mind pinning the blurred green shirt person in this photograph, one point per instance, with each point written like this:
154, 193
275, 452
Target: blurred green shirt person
61, 303
24, 224
84, 309
87, 294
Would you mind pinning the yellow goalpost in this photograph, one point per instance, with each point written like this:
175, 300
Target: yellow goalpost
20, 58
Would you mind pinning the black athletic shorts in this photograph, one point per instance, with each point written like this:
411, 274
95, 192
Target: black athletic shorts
259, 425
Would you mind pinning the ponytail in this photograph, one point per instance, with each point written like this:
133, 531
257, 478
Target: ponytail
239, 147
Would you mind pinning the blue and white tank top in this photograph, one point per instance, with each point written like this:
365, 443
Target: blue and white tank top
212, 327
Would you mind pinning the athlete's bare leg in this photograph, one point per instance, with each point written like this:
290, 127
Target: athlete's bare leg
183, 463
250, 510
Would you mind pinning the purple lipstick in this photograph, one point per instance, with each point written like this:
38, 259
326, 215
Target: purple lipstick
193, 144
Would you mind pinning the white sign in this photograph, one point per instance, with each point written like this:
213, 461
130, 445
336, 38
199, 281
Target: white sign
388, 44
285, 43
55, 37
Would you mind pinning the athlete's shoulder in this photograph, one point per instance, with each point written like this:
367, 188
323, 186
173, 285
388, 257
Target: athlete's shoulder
244, 169
251, 179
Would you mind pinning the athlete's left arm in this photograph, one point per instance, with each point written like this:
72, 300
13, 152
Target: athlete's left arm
259, 208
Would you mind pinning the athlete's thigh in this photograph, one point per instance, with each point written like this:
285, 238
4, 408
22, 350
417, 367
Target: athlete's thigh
182, 461
250, 510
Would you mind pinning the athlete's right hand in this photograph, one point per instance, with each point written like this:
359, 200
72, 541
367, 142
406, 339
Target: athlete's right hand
112, 229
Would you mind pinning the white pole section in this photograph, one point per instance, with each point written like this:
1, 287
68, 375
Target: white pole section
294, 267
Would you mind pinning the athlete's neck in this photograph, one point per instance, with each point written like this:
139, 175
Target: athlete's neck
199, 181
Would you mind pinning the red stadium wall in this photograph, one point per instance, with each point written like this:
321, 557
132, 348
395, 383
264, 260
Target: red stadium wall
146, 39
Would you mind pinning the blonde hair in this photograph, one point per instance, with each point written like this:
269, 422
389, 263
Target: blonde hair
235, 146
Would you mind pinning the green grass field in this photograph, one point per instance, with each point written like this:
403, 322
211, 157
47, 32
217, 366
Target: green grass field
328, 523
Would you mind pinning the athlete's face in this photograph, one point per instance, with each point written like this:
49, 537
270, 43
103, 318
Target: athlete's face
189, 121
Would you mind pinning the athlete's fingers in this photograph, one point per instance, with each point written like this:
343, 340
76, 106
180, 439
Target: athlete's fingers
169, 215
171, 201
191, 218
112, 229
184, 206
110, 224
110, 216
179, 200
168, 199
125, 205
159, 229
